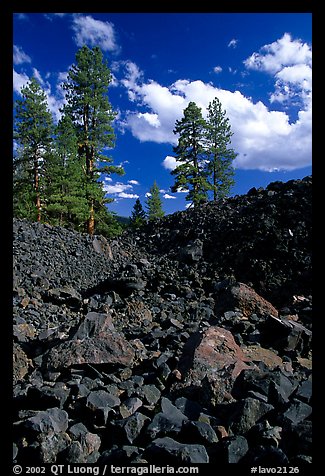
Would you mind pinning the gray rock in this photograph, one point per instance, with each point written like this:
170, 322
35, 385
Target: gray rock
247, 412
171, 452
51, 421
129, 429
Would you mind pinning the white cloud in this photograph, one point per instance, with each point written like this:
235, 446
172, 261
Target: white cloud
147, 194
127, 195
94, 33
152, 119
264, 139
117, 188
169, 162
232, 43
20, 56
168, 197
290, 61
273, 57
217, 69
133, 182
19, 81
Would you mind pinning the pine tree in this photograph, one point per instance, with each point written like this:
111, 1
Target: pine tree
33, 129
154, 203
220, 156
66, 179
190, 155
138, 215
92, 115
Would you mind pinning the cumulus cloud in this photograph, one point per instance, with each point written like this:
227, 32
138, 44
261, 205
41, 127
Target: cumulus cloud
20, 56
94, 33
290, 61
283, 52
127, 195
168, 197
117, 188
169, 162
264, 139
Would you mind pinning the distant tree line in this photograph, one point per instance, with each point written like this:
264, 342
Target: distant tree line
58, 168
154, 209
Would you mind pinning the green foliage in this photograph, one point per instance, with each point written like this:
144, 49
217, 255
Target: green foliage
203, 154
92, 116
138, 215
33, 129
57, 170
190, 154
220, 156
66, 180
154, 204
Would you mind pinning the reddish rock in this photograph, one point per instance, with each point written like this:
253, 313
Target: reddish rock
258, 354
246, 300
210, 363
95, 342
21, 363
109, 349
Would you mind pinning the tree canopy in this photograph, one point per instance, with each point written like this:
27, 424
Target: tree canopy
57, 169
203, 153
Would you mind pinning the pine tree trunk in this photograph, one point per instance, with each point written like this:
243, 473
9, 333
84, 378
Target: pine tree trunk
91, 220
36, 185
214, 182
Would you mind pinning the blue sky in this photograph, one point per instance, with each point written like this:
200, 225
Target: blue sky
259, 65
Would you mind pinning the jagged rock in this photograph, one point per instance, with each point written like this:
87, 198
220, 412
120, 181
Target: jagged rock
104, 347
231, 449
273, 384
179, 342
168, 421
128, 429
170, 451
21, 363
305, 391
256, 354
130, 406
45, 397
101, 403
198, 432
149, 392
127, 453
51, 421
246, 413
244, 298
296, 413
266, 456
287, 335
192, 252
102, 246
64, 294
212, 357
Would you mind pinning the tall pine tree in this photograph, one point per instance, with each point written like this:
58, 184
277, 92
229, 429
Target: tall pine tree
92, 115
33, 128
219, 155
66, 179
190, 155
154, 203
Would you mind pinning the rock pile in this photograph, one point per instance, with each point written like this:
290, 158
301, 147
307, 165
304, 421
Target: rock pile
188, 341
